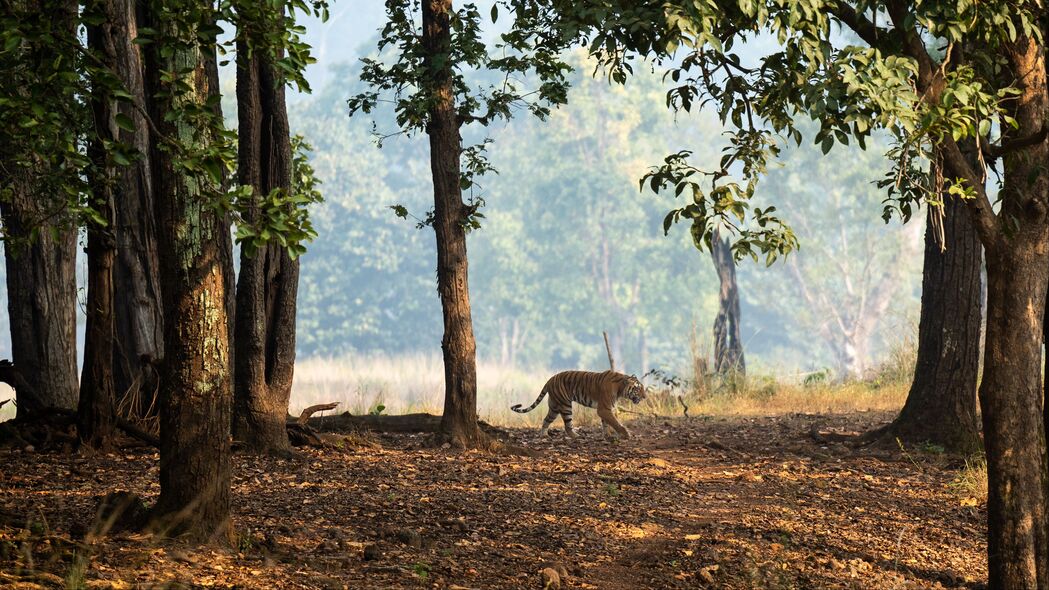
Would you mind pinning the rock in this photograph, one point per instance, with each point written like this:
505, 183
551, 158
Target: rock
410, 538
551, 579
326, 583
372, 552
182, 557
458, 524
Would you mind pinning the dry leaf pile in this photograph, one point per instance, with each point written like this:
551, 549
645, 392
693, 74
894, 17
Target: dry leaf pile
689, 503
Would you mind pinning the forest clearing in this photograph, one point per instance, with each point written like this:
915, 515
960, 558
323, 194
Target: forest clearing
799, 248
701, 502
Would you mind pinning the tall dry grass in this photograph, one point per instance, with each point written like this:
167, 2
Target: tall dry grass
415, 383
411, 383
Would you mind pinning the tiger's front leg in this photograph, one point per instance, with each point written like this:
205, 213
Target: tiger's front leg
608, 418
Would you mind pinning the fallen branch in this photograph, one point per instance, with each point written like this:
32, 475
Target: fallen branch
304, 417
403, 423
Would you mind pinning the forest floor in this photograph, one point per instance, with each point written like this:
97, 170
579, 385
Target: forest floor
734, 503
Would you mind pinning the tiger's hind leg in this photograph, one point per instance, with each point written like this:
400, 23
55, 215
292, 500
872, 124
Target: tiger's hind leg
551, 415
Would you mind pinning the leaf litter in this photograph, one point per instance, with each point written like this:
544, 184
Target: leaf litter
701, 502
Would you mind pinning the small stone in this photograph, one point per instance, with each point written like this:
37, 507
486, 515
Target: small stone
410, 538
550, 578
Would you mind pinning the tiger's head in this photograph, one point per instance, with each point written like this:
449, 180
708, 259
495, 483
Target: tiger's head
634, 390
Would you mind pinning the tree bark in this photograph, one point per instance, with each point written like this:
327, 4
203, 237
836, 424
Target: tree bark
139, 326
267, 287
40, 252
1010, 398
1010, 392
196, 380
459, 421
96, 411
728, 347
941, 405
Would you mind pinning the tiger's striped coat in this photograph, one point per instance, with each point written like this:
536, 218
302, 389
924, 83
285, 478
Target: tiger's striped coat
593, 390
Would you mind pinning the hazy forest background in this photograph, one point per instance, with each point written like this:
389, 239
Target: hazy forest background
566, 249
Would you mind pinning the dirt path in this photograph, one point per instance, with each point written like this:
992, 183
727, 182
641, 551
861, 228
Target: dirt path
720, 503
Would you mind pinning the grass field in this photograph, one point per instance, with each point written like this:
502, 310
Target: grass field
414, 383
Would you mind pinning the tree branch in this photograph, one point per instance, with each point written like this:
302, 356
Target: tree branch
930, 84
867, 30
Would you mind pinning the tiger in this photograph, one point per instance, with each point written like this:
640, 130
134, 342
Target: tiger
593, 390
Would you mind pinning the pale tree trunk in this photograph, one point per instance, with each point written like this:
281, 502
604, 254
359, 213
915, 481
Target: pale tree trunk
195, 385
459, 421
268, 283
851, 321
728, 346
40, 255
624, 314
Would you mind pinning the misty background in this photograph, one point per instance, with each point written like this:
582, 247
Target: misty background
569, 245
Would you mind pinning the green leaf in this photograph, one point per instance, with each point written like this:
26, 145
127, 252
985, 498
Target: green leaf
124, 122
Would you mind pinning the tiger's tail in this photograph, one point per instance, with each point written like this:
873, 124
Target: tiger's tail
517, 407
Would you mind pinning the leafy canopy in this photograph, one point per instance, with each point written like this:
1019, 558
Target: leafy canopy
522, 71
933, 74
47, 75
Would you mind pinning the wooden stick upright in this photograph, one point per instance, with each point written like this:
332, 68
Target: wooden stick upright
608, 349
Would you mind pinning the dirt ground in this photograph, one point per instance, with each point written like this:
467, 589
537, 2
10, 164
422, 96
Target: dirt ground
688, 503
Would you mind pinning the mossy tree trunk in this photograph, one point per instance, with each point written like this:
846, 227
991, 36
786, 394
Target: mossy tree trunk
196, 378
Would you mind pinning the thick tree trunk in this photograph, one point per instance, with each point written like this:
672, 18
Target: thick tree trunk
40, 250
96, 411
139, 342
196, 381
1010, 391
267, 287
941, 405
1011, 397
41, 302
459, 422
728, 347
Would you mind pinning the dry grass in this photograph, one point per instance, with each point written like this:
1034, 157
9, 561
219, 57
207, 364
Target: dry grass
414, 383
971, 483
411, 383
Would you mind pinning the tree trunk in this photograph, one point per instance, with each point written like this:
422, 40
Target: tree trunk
1010, 391
40, 256
267, 287
96, 410
728, 347
941, 405
195, 384
1010, 398
459, 421
139, 326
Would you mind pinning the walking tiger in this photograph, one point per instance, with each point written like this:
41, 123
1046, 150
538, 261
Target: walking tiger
593, 390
